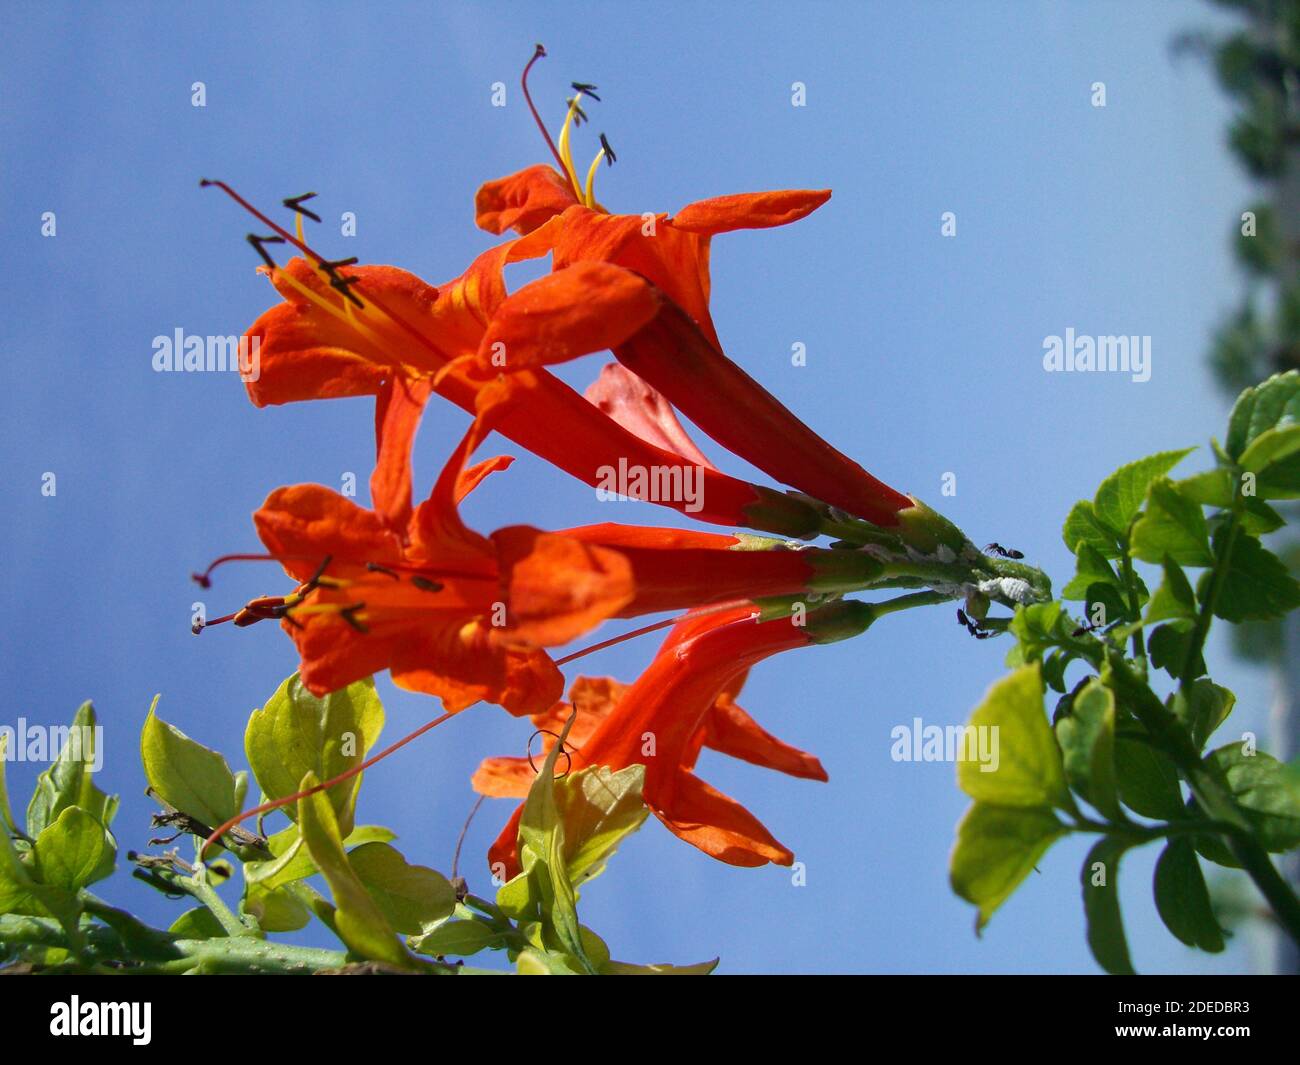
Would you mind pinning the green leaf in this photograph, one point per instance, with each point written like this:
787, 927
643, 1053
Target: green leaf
1267, 791
74, 852
1100, 880
296, 733
1256, 585
1087, 738
1270, 448
69, 781
1148, 781
1202, 708
1183, 900
543, 892
292, 861
411, 896
599, 809
459, 939
1167, 645
1092, 568
1083, 526
1172, 525
1027, 769
1120, 495
1174, 599
1271, 404
1213, 488
198, 923
277, 909
997, 846
358, 919
185, 774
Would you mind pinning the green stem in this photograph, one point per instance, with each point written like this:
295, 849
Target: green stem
199, 887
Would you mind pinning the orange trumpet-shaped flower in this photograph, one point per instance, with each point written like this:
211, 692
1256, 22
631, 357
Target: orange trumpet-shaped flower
456, 614
348, 330
446, 610
685, 700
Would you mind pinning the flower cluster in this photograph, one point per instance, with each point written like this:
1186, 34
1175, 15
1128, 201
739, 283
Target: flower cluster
469, 617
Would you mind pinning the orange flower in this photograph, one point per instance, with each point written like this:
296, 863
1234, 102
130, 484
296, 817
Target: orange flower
462, 616
348, 330
660, 267
685, 700
446, 610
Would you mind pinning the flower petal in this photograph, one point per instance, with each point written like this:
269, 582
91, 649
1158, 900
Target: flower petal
749, 210
303, 523
641, 410
730, 730
397, 418
719, 826
522, 201
503, 778
583, 308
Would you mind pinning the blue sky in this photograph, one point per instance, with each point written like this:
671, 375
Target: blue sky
923, 358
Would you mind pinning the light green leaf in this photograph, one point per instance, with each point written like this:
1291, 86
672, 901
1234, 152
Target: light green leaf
598, 809
1087, 738
185, 774
1172, 525
411, 896
1174, 599
69, 781
1092, 568
1213, 488
1183, 900
277, 909
296, 733
459, 939
1083, 526
1271, 404
74, 851
542, 892
1100, 880
292, 861
359, 921
198, 923
1120, 495
997, 846
1028, 767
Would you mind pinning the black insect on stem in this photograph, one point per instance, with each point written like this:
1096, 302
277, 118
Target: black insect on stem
1005, 552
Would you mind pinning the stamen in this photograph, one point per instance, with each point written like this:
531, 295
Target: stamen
306, 249
426, 585
606, 153
375, 567
538, 53
294, 203
648, 629
257, 243
349, 614
204, 579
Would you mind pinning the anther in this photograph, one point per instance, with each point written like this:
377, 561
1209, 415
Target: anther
257, 243
349, 614
426, 585
583, 88
579, 115
375, 567
610, 157
294, 203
